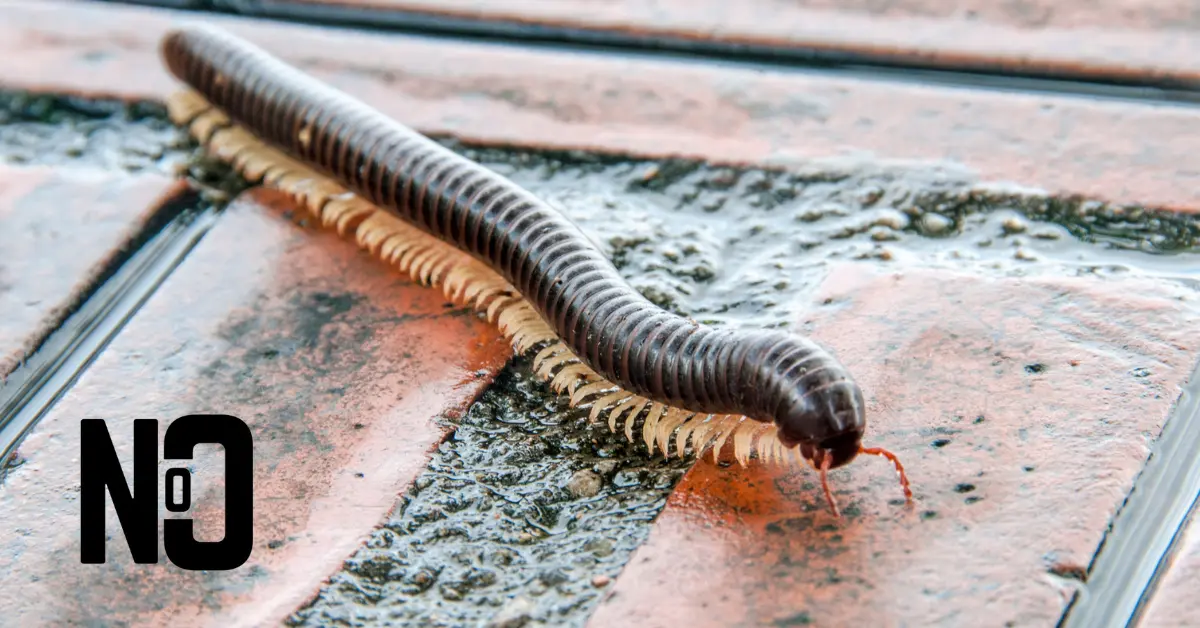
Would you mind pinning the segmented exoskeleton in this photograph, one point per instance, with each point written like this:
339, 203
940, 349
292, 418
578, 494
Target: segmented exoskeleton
490, 244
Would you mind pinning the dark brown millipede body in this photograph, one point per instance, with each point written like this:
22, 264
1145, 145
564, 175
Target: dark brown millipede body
769, 376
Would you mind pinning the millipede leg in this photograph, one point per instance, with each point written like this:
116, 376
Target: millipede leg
880, 451
826, 460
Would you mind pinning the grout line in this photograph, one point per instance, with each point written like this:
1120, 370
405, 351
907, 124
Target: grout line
1143, 538
1153, 90
50, 372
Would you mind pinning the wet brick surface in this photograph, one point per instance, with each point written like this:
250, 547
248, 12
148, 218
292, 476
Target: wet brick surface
524, 515
526, 97
51, 130
61, 227
1023, 409
730, 247
339, 366
748, 246
733, 546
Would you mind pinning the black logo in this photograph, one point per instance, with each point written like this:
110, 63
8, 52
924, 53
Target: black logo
137, 511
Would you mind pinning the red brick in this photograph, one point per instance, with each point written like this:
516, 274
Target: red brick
60, 228
551, 99
339, 366
1175, 603
1051, 460
1129, 39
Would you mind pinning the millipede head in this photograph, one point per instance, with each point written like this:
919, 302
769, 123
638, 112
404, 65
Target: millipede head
823, 416
824, 422
822, 460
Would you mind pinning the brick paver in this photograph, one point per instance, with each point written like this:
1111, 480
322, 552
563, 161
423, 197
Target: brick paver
61, 227
1023, 409
1125, 39
339, 366
553, 99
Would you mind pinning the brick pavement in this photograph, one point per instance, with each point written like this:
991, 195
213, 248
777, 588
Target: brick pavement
1033, 484
339, 366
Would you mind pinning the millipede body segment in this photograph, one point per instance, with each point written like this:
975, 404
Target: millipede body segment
490, 244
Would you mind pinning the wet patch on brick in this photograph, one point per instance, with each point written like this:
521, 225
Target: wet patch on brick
59, 130
746, 246
84, 208
523, 516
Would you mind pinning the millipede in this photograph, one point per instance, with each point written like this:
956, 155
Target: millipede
488, 244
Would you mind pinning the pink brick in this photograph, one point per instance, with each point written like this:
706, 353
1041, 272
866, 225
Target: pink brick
1003, 503
59, 228
339, 366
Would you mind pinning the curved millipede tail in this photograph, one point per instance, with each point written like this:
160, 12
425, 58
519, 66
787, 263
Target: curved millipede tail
488, 244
